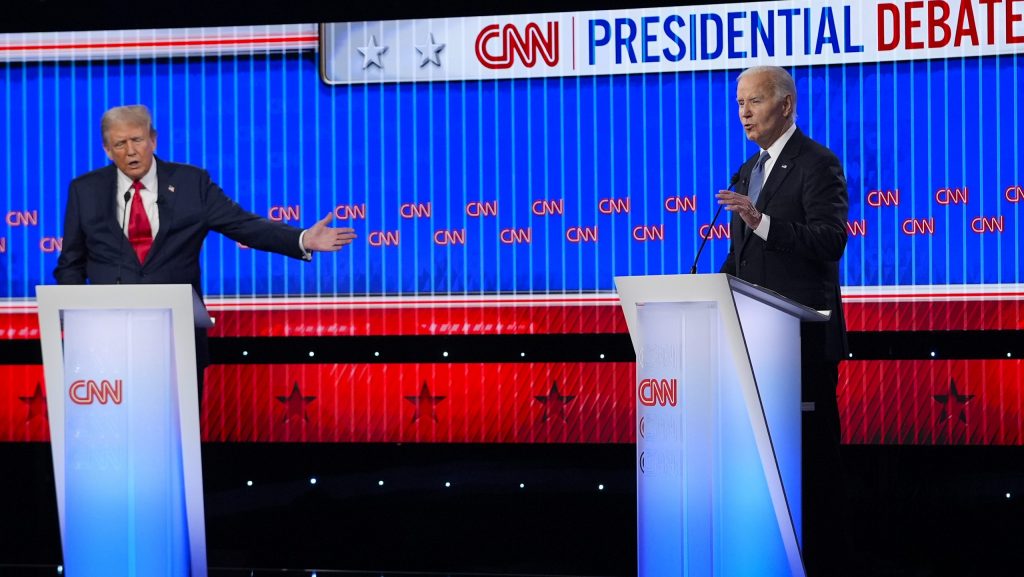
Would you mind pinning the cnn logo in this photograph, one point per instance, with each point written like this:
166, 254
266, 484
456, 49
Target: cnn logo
88, 392
497, 46
658, 392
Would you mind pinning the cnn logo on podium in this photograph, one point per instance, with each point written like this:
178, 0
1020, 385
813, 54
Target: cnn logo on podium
103, 392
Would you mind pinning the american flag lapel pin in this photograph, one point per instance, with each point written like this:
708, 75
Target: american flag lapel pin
171, 188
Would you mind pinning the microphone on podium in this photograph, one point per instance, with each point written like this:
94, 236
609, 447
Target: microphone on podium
704, 240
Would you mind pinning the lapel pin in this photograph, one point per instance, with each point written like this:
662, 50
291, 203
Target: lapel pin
171, 188
783, 166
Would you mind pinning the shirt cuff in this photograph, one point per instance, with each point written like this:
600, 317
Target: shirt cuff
762, 229
306, 255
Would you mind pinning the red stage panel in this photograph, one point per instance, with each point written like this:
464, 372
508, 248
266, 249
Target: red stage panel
947, 402
935, 308
19, 325
941, 315
442, 403
944, 402
23, 404
492, 318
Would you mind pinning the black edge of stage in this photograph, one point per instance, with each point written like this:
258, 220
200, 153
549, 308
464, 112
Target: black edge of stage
915, 510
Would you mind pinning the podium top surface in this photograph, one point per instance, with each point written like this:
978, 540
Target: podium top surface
707, 287
772, 298
124, 296
635, 291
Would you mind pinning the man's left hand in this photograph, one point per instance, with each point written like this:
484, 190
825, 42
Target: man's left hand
322, 238
741, 205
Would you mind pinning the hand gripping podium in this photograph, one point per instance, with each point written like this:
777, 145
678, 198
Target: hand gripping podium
124, 427
718, 425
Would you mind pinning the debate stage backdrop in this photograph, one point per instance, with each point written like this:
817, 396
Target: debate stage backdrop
501, 171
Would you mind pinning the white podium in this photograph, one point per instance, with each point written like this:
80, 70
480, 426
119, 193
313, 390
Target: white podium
124, 427
718, 425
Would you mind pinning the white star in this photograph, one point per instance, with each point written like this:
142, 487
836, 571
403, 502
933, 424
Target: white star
372, 53
429, 52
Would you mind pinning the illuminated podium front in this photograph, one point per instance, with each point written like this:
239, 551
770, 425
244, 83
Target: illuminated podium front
120, 366
718, 425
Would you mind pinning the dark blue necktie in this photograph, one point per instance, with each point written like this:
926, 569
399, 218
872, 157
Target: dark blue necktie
757, 177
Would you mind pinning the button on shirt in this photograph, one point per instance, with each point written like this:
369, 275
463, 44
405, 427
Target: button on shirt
775, 150
149, 194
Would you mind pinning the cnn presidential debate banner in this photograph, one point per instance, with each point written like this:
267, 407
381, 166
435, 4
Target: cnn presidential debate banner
497, 166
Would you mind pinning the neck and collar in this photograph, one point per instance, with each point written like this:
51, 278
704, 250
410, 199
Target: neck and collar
148, 180
776, 148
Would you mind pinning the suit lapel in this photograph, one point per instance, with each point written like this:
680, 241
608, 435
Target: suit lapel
116, 199
739, 225
783, 166
119, 209
165, 202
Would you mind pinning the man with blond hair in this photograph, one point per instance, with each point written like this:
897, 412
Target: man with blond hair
141, 220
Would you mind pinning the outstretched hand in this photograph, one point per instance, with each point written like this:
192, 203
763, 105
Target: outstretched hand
322, 238
741, 205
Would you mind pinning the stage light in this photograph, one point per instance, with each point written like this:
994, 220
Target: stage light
447, 484
933, 354
1009, 355
380, 483
522, 354
601, 355
311, 353
60, 569
444, 354
1007, 495
312, 480
248, 483
376, 353
245, 353
851, 355
522, 485
600, 487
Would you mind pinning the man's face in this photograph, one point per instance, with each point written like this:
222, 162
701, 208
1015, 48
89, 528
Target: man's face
764, 116
131, 148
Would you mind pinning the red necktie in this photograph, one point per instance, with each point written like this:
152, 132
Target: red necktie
140, 234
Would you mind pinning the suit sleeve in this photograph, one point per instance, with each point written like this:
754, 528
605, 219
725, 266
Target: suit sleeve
729, 266
225, 216
740, 181
73, 255
825, 202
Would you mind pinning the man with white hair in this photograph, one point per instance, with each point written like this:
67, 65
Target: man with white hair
788, 232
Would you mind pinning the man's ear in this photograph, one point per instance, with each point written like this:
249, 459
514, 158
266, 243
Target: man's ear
789, 105
107, 150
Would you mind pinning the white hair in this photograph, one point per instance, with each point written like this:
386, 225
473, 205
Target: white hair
132, 115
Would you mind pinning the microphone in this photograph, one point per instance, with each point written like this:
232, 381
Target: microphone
124, 223
704, 241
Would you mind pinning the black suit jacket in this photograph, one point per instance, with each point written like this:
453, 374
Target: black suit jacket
805, 196
95, 249
190, 205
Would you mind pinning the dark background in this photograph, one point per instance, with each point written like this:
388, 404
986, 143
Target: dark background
914, 510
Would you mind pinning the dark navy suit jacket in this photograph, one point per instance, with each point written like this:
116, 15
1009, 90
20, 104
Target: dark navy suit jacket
806, 197
95, 249
190, 205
